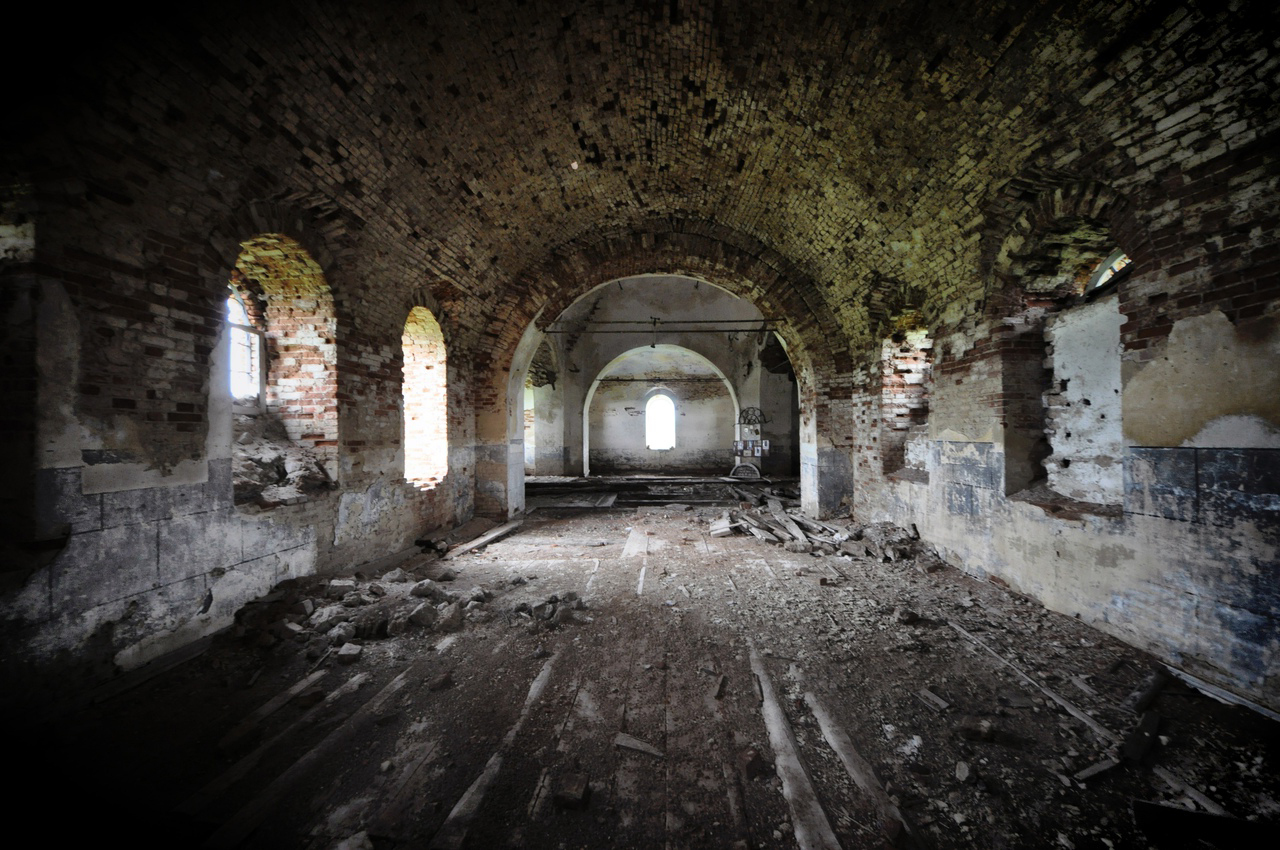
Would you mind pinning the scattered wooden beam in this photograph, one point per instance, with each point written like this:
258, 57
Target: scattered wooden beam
1096, 769
1221, 694
216, 787
245, 821
1096, 727
453, 832
391, 817
775, 508
268, 708
812, 829
932, 700
484, 539
622, 739
1178, 785
858, 768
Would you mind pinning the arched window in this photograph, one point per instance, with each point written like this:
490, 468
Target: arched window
282, 331
426, 400
247, 375
660, 422
285, 295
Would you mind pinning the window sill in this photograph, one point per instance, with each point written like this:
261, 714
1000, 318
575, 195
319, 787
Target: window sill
1064, 507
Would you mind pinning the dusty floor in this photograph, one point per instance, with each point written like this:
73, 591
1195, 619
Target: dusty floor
475, 737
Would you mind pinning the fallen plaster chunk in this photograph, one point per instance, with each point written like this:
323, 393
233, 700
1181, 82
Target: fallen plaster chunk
573, 792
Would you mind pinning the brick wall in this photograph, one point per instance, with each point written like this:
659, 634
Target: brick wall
831, 163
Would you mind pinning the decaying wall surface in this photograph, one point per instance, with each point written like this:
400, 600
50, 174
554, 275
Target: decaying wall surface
1082, 407
832, 168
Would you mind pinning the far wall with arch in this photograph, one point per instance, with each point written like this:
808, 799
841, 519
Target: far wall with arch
705, 414
585, 342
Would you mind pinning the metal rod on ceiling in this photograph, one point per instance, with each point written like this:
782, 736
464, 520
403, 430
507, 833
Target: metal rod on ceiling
669, 331
680, 321
661, 380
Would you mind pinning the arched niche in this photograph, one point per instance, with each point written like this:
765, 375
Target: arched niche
615, 408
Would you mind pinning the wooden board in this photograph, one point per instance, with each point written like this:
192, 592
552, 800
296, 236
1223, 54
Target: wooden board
484, 539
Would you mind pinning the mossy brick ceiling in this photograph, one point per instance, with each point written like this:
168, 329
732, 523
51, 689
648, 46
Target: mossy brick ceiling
859, 140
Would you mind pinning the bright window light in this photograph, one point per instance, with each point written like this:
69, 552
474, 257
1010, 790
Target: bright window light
246, 356
660, 423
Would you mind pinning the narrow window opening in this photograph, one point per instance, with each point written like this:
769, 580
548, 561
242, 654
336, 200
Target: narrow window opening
660, 423
282, 374
1108, 270
426, 400
247, 375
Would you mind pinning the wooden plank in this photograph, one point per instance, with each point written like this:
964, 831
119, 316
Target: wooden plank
622, 739
268, 708
1097, 728
217, 786
245, 821
453, 832
775, 508
1222, 695
484, 539
391, 817
858, 768
1178, 785
812, 829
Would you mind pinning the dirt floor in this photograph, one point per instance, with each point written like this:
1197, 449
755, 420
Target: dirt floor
616, 677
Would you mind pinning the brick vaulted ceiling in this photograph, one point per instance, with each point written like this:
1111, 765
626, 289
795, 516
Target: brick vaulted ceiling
862, 150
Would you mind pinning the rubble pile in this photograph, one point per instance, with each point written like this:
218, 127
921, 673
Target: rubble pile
329, 615
269, 469
337, 616
766, 516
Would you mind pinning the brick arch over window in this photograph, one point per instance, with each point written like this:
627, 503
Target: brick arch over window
1060, 360
287, 295
426, 400
1048, 246
740, 264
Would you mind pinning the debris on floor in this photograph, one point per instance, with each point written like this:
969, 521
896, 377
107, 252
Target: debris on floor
598, 678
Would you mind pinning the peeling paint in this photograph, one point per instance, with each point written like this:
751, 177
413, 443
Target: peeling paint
1210, 369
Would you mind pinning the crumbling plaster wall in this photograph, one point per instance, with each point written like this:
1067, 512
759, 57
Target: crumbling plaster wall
1083, 405
1188, 568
